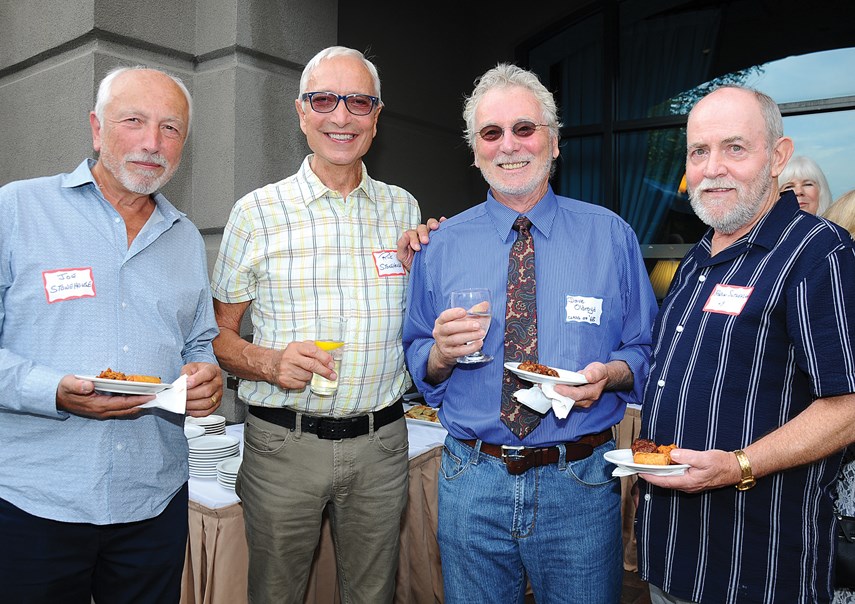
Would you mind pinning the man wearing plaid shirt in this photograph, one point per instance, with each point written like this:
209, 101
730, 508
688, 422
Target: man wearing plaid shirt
321, 243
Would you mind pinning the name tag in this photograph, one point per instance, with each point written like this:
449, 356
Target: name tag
387, 264
728, 299
68, 284
583, 309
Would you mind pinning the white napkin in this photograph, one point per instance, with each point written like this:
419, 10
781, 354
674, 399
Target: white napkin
172, 399
542, 398
620, 471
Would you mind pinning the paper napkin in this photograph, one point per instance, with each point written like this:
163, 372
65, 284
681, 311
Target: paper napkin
172, 399
542, 398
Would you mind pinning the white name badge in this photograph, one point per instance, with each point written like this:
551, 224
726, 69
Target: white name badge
583, 309
68, 284
387, 264
728, 299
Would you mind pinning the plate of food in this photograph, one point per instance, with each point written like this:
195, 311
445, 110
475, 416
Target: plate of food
116, 382
423, 414
543, 374
646, 457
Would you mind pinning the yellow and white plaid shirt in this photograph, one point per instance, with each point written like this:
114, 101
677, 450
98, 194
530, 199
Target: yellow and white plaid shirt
300, 251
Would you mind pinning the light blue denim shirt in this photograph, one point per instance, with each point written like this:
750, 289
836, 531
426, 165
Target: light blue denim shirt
146, 310
594, 303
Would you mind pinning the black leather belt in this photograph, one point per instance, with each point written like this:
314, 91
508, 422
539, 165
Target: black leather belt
329, 428
519, 459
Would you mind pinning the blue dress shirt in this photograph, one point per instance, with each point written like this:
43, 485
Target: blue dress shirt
148, 311
583, 254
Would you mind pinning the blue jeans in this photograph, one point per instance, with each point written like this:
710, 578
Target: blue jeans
557, 525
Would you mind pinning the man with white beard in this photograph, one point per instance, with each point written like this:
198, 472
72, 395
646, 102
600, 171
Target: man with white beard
98, 270
753, 377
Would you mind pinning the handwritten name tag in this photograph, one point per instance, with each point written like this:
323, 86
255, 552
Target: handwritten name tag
728, 299
583, 309
387, 264
68, 284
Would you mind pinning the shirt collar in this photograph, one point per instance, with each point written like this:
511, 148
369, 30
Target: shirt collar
541, 215
82, 175
766, 233
318, 189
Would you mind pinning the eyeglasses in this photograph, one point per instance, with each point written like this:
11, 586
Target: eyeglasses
326, 102
522, 129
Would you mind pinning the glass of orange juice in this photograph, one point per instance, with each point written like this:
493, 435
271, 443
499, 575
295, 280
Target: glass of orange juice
329, 337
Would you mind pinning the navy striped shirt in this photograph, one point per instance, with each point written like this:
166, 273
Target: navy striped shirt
744, 342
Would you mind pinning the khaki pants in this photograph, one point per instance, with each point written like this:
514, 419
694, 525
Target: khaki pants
627, 431
286, 480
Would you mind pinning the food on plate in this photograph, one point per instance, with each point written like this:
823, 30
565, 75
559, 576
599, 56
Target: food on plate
645, 451
537, 368
109, 374
423, 413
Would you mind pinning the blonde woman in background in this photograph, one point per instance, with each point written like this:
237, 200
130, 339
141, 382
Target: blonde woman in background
842, 212
804, 177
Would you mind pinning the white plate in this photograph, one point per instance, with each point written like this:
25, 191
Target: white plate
124, 387
209, 420
623, 459
229, 466
421, 422
193, 431
213, 442
569, 378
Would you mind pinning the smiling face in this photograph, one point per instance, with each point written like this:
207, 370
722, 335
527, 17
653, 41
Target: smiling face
807, 192
338, 139
517, 169
730, 172
143, 132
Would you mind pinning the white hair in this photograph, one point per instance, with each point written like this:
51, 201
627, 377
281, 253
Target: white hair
802, 167
105, 91
338, 51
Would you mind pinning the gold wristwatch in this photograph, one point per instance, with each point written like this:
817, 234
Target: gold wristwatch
748, 479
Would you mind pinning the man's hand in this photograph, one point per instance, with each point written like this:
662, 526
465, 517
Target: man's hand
454, 336
411, 241
78, 397
587, 394
711, 469
204, 388
616, 375
293, 367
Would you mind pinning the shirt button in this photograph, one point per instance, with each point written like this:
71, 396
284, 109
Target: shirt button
647, 497
125, 305
119, 447
702, 278
117, 220
661, 383
679, 329
125, 348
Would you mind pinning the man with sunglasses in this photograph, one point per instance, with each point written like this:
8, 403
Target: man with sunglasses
320, 244
524, 495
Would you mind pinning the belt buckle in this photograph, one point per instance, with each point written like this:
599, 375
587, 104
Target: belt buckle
512, 453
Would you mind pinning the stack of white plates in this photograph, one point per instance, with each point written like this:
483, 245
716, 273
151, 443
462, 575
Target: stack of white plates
209, 450
213, 424
227, 472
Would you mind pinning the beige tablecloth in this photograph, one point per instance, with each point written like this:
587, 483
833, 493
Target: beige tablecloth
216, 563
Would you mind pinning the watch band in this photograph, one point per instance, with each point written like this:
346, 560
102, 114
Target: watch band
748, 479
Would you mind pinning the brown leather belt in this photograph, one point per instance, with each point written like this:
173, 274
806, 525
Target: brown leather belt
519, 459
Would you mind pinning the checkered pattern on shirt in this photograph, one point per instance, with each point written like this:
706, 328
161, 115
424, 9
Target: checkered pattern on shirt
299, 250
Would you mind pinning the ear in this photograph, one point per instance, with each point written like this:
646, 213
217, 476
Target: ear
96, 131
376, 119
298, 104
781, 153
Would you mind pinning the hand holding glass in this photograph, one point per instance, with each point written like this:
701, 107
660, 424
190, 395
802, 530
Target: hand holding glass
329, 337
478, 307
